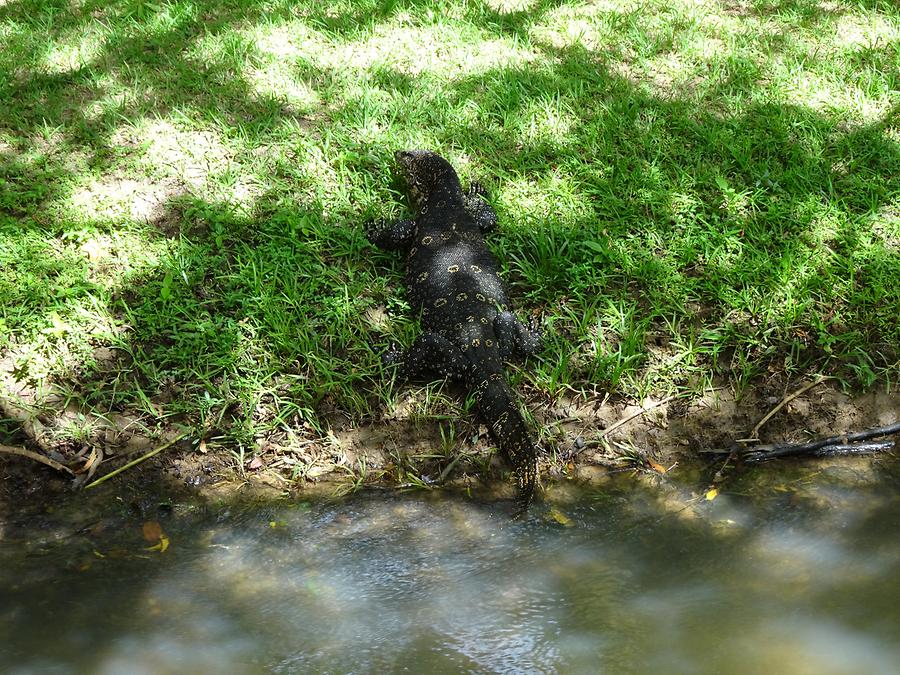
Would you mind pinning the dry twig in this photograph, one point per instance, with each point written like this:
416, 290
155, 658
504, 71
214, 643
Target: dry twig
37, 457
783, 402
642, 411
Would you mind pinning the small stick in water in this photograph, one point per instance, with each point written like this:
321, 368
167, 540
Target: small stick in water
137, 461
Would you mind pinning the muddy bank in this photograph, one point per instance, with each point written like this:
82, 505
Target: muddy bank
581, 437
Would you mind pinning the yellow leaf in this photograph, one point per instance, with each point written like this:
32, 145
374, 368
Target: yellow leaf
711, 494
153, 531
161, 546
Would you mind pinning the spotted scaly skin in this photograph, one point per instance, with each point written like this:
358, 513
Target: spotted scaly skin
453, 282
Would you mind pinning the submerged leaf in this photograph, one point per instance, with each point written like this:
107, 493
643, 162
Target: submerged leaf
161, 546
152, 531
557, 516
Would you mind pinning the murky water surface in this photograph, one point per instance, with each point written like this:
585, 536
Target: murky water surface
798, 575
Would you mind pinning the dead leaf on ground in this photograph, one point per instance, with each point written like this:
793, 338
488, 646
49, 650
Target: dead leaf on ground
656, 466
89, 463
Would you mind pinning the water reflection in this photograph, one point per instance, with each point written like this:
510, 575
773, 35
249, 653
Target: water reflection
645, 580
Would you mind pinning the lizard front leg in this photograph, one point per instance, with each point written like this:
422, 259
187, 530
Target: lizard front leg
395, 237
477, 206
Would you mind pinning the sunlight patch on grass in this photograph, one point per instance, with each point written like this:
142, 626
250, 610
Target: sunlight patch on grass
171, 161
407, 49
433, 49
692, 46
665, 76
531, 198
825, 228
111, 97
162, 17
510, 6
273, 81
547, 121
822, 93
704, 47
586, 26
191, 155
290, 40
117, 198
66, 56
319, 171
868, 31
57, 292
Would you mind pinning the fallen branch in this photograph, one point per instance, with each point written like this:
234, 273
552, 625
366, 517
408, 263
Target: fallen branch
787, 399
833, 445
37, 457
137, 461
854, 449
27, 420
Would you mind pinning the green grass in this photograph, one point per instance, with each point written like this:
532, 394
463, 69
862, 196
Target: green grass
687, 191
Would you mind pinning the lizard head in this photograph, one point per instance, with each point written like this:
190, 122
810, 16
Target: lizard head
425, 172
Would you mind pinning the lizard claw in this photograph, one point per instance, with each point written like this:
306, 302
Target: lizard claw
534, 326
373, 229
392, 356
477, 189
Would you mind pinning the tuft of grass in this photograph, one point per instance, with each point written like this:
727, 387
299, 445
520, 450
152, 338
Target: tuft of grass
686, 191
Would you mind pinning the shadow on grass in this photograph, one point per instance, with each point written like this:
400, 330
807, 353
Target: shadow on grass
685, 213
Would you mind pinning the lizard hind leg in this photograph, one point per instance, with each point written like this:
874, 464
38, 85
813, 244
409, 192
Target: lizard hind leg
431, 355
515, 338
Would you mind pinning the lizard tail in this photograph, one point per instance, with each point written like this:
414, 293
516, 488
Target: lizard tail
498, 408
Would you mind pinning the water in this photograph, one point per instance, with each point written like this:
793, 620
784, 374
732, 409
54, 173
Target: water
780, 576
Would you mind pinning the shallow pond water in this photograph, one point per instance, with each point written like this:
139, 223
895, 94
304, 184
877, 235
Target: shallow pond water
798, 575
